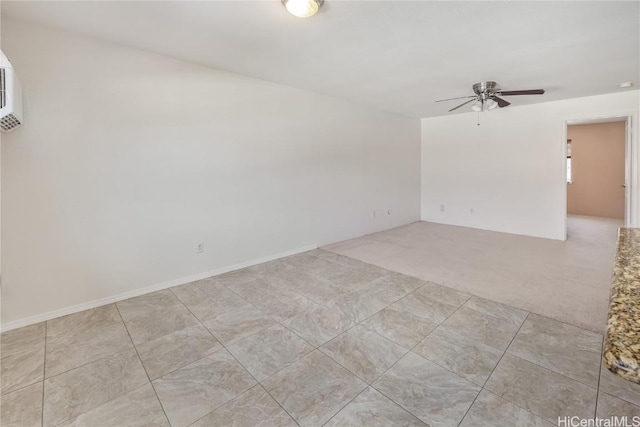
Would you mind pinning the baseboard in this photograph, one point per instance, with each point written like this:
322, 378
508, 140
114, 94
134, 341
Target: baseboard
147, 289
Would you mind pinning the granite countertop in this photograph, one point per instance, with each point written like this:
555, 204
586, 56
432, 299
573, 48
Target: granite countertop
622, 344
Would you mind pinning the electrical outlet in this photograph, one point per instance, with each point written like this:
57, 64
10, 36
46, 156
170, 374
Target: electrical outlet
200, 247
441, 208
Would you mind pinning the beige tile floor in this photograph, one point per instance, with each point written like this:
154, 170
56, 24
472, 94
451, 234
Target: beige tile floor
313, 339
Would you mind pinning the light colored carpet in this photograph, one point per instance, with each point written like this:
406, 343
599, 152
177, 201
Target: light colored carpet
568, 281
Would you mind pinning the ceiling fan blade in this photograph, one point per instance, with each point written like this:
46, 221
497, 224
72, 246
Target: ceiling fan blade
463, 104
521, 92
452, 99
501, 102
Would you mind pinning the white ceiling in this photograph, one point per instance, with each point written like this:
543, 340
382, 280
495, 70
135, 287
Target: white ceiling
398, 56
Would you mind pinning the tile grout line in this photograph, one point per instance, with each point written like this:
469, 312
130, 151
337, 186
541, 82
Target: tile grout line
276, 400
359, 324
447, 368
234, 357
132, 343
493, 370
555, 320
595, 413
392, 303
72, 369
341, 333
22, 387
539, 366
473, 295
224, 347
259, 383
608, 393
381, 336
234, 398
295, 268
99, 406
142, 363
320, 305
552, 371
346, 256
216, 338
506, 350
78, 366
619, 398
317, 276
260, 310
347, 404
407, 351
549, 369
324, 343
254, 306
103, 358
411, 351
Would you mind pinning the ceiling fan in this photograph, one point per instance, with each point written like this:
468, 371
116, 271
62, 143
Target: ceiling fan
487, 96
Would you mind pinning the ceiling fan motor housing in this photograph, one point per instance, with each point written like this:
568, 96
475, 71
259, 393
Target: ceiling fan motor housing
485, 89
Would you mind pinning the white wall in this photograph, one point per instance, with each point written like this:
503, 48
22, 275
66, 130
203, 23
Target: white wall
510, 169
128, 159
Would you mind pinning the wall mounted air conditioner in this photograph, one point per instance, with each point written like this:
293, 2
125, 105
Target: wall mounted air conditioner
10, 97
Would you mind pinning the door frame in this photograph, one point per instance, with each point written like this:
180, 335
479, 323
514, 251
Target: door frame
630, 162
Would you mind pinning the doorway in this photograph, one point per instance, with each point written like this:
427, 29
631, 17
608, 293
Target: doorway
598, 171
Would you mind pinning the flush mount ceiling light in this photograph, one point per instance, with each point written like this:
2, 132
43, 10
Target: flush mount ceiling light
303, 8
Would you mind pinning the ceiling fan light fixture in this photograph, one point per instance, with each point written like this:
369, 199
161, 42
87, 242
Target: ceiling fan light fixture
491, 104
303, 8
477, 106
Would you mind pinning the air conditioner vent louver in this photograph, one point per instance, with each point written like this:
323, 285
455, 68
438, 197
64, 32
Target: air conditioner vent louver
3, 89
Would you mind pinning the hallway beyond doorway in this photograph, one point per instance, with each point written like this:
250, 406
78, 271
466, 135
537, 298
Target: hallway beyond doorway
596, 180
